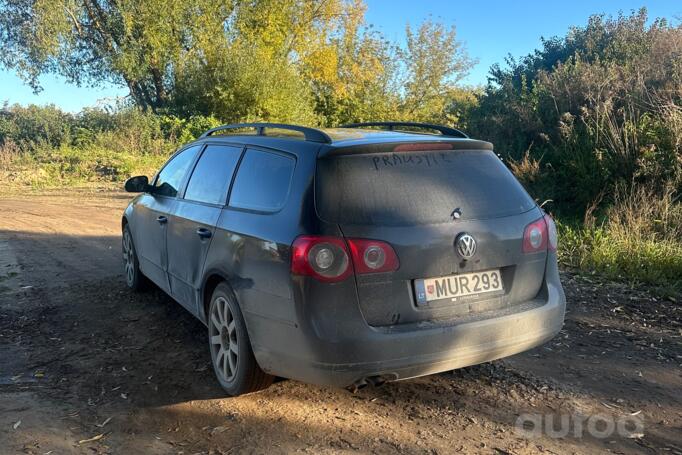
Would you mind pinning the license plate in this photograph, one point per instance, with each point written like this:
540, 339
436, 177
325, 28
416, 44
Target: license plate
456, 287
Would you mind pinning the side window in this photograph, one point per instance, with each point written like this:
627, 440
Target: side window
262, 182
170, 177
213, 174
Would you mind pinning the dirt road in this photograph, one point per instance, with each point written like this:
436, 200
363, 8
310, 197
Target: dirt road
88, 367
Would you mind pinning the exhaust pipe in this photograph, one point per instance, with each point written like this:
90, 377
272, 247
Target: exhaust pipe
376, 381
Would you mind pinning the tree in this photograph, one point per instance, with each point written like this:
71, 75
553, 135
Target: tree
352, 74
307, 61
139, 43
149, 45
364, 77
434, 62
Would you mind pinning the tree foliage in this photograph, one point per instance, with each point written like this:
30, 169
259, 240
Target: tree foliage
435, 62
589, 111
310, 61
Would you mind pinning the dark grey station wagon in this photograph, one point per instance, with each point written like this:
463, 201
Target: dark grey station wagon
347, 256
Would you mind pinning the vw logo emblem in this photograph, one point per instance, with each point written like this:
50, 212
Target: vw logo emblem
465, 245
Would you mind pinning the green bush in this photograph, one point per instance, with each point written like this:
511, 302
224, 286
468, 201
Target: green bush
187, 130
45, 147
591, 123
597, 108
30, 125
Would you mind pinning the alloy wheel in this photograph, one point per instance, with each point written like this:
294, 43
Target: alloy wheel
223, 339
128, 257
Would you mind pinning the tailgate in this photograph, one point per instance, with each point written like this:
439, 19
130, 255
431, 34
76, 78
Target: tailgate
420, 202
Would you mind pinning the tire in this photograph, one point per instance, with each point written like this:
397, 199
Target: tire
135, 280
231, 355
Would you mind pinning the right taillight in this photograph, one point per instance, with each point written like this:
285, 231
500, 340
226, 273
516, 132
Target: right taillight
535, 236
321, 257
372, 256
552, 237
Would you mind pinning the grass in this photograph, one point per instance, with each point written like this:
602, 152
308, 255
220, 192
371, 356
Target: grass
654, 262
639, 239
70, 167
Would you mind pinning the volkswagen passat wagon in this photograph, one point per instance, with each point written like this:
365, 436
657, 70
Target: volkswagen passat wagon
362, 254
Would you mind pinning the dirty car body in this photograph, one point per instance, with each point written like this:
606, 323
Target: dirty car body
351, 255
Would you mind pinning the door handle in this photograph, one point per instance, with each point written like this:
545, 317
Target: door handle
204, 233
162, 219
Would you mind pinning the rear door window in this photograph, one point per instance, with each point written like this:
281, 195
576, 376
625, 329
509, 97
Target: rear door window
212, 174
408, 188
263, 181
170, 178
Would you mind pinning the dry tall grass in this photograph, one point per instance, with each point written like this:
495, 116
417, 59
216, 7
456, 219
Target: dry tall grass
640, 238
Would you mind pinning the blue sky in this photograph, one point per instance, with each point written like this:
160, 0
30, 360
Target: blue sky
490, 29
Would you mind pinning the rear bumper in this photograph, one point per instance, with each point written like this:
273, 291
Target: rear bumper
357, 351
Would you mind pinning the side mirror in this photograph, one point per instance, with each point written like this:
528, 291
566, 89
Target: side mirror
138, 184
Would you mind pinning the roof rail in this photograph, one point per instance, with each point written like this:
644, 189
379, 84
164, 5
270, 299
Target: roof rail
444, 130
310, 134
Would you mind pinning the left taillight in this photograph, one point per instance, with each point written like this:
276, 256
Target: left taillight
321, 257
552, 236
535, 237
540, 235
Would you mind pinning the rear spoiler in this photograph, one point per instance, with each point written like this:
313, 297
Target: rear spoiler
393, 126
392, 146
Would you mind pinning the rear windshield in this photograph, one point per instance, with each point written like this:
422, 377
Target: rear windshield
410, 188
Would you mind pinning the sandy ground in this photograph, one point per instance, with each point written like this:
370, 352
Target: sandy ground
88, 367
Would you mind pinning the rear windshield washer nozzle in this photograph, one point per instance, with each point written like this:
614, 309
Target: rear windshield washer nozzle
456, 214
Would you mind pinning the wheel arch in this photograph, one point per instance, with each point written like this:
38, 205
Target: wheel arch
211, 281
